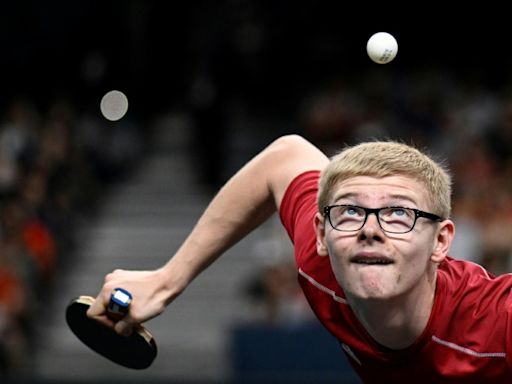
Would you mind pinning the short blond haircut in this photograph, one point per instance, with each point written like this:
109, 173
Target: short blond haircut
388, 158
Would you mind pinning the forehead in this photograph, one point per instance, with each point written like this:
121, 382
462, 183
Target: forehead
379, 191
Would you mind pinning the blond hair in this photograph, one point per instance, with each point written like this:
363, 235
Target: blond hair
388, 158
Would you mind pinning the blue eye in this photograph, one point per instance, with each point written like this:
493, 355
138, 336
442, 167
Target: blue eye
399, 212
351, 211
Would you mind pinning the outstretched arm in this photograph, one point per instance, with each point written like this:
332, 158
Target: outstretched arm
248, 199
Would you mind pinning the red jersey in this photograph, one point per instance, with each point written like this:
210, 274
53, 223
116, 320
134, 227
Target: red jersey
468, 338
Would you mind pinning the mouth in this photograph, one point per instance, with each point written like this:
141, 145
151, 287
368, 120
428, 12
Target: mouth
371, 260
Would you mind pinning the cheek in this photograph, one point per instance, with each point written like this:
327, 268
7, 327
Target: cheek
338, 257
415, 264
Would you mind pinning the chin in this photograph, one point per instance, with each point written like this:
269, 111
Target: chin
374, 293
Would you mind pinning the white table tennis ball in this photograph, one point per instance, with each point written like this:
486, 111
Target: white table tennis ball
382, 47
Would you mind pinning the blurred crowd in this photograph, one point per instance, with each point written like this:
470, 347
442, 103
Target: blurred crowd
55, 165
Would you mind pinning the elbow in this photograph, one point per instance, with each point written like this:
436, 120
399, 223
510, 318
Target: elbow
289, 143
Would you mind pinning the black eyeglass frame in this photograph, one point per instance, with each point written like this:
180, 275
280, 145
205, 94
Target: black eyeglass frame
417, 214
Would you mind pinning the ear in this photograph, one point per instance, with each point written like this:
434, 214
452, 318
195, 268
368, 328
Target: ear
444, 238
319, 224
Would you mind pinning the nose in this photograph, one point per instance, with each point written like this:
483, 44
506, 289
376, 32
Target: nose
371, 228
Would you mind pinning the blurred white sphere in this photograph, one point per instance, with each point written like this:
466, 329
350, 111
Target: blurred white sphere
114, 105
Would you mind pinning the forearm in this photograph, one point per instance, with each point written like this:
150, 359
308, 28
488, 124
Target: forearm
241, 205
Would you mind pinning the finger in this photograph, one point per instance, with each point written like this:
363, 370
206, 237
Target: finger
125, 326
97, 308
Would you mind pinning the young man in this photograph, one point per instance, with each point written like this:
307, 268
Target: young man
372, 233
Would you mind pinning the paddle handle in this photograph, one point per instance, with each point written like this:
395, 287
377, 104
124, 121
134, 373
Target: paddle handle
119, 304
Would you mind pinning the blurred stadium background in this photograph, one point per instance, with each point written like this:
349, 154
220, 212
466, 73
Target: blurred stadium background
209, 84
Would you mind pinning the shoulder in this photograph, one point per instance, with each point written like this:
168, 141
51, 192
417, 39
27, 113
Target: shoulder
457, 268
471, 283
480, 304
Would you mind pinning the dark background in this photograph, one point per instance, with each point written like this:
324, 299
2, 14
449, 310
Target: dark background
267, 52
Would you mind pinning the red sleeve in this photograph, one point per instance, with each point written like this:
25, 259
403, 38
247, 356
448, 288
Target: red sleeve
298, 209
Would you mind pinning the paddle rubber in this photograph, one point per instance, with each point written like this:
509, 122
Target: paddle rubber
136, 351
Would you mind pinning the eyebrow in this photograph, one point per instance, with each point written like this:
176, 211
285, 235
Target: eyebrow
353, 195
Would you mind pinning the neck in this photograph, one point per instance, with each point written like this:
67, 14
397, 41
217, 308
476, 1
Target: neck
398, 322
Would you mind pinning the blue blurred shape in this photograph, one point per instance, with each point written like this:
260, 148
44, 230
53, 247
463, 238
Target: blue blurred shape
263, 353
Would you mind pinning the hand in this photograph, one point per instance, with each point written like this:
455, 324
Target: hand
150, 297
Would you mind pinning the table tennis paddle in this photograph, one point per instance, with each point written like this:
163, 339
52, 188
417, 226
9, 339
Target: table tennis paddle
136, 351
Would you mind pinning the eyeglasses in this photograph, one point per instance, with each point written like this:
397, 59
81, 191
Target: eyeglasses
349, 218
